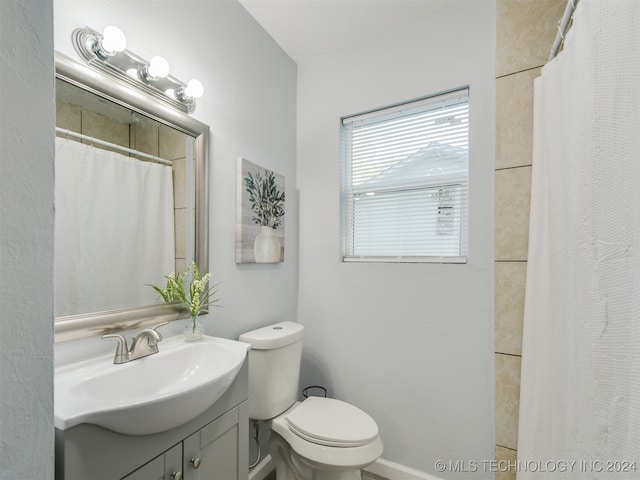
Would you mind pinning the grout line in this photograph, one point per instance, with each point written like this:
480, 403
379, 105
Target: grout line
511, 168
510, 261
508, 448
520, 71
508, 354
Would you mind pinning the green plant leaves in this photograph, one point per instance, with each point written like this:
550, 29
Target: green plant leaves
195, 298
267, 202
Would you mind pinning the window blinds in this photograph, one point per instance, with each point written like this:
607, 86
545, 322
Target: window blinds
404, 178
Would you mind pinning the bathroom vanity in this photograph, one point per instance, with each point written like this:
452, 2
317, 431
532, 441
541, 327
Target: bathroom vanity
212, 446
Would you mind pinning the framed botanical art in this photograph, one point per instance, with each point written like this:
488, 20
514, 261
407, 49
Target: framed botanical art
260, 210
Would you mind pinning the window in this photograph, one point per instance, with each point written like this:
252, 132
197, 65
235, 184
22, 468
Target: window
404, 181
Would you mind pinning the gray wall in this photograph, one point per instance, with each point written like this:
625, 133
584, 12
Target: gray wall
26, 239
411, 344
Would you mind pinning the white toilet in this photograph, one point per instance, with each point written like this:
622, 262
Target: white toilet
317, 439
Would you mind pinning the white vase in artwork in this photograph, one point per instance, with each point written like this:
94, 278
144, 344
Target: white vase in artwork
266, 246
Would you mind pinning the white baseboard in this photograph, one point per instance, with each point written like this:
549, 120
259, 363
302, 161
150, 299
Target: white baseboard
263, 469
395, 471
383, 468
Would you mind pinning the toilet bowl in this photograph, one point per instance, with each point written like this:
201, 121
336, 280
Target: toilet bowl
327, 435
316, 439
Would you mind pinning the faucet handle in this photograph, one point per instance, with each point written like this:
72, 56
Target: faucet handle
122, 351
155, 329
122, 342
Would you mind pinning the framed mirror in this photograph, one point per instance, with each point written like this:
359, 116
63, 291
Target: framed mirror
131, 202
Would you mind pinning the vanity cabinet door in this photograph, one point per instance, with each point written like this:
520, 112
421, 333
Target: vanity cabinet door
154, 470
167, 466
213, 452
173, 463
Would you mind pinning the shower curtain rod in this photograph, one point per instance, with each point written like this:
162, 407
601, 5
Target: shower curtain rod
563, 26
97, 141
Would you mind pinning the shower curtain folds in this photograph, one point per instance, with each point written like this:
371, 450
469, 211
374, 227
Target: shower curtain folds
580, 379
114, 229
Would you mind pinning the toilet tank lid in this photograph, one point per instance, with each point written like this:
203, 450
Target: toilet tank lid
273, 336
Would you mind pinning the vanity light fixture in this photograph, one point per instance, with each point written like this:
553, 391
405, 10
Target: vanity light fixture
112, 42
107, 52
158, 68
194, 89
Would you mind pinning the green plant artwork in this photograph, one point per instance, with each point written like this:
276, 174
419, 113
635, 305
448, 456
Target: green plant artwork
267, 202
260, 206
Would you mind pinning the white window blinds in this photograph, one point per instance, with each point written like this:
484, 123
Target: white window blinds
404, 181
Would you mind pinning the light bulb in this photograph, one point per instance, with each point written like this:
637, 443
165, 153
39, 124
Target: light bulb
113, 40
158, 67
194, 89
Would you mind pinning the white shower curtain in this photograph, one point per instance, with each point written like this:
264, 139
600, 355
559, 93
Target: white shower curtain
114, 229
580, 381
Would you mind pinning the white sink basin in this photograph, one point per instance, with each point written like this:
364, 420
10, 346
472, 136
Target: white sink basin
151, 394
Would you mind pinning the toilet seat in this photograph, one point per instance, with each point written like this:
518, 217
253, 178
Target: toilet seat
332, 423
324, 456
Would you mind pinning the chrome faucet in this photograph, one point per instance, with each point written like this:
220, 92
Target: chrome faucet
143, 344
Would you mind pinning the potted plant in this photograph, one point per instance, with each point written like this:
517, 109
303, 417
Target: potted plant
197, 297
267, 205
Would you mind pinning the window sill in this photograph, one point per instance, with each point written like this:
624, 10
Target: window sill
403, 259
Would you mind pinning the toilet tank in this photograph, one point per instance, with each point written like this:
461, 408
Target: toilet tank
274, 368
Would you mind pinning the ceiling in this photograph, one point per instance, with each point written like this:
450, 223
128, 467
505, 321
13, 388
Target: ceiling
305, 29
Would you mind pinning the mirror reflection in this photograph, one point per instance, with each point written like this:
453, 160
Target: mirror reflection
125, 204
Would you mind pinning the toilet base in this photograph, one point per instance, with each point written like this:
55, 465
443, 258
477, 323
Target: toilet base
291, 466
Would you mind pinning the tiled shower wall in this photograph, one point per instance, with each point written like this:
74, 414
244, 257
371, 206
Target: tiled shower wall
525, 30
144, 135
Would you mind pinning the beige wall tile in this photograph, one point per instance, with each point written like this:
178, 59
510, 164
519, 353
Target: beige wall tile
181, 264
144, 135
505, 460
510, 282
512, 202
507, 399
103, 128
179, 183
68, 116
525, 30
514, 119
172, 143
180, 225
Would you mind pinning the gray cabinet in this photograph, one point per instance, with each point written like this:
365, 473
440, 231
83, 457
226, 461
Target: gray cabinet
165, 467
213, 446
212, 453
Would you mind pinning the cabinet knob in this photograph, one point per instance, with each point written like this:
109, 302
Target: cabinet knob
195, 462
176, 476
